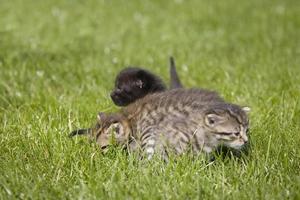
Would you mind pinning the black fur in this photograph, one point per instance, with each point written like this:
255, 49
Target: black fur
133, 83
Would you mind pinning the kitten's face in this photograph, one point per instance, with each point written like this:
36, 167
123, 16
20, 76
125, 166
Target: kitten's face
230, 126
114, 133
109, 129
130, 85
134, 83
128, 90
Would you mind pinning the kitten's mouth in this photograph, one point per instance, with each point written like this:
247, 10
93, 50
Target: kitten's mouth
120, 100
243, 147
104, 147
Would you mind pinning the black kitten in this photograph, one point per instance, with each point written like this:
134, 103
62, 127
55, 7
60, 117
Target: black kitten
133, 83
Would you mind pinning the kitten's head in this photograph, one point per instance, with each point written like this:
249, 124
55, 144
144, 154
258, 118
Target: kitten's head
111, 128
229, 123
134, 83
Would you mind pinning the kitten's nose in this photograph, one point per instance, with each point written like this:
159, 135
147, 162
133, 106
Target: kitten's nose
116, 92
112, 94
245, 139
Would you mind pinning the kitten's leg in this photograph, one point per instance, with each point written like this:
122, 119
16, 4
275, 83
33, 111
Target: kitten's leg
148, 142
152, 143
150, 147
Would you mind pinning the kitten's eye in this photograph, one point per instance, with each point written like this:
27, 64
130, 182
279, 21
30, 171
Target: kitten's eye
117, 129
139, 84
236, 133
211, 121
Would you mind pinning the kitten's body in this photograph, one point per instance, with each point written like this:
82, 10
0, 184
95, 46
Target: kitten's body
180, 120
175, 120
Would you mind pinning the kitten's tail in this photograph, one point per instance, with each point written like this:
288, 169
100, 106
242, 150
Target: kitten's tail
80, 132
174, 79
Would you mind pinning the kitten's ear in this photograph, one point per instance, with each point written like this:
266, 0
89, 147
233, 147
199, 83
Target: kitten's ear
101, 116
246, 109
213, 119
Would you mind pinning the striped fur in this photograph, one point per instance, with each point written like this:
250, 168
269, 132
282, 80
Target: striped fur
181, 120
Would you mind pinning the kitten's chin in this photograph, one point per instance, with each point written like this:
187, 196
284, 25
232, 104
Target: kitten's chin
104, 148
235, 146
118, 101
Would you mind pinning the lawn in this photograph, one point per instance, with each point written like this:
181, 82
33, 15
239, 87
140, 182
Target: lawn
58, 61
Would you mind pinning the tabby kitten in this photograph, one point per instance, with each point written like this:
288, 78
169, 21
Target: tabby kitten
181, 120
178, 121
133, 83
107, 128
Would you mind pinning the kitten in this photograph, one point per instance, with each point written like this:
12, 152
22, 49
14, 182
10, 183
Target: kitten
133, 83
180, 120
108, 126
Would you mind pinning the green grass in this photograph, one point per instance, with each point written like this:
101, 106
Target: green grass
58, 60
